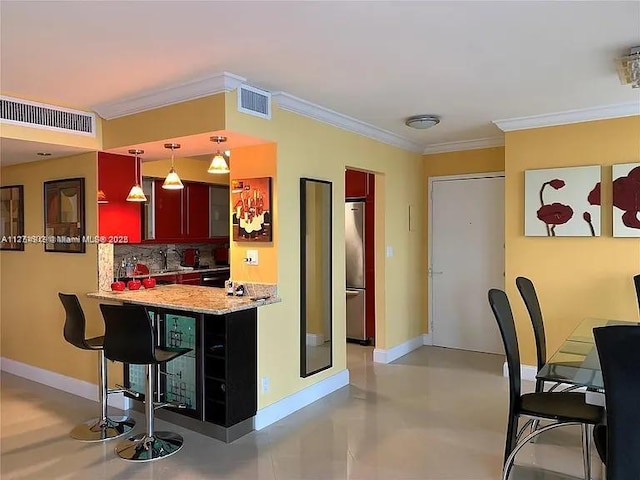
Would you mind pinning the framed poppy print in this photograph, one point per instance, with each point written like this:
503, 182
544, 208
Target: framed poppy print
626, 200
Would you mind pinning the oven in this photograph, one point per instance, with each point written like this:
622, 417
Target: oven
215, 278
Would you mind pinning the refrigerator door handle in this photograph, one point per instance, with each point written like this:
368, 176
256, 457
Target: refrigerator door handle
353, 293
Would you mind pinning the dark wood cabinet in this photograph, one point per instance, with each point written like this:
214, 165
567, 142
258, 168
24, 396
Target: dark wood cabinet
168, 212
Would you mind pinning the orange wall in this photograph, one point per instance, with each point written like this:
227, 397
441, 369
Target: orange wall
456, 163
576, 277
255, 162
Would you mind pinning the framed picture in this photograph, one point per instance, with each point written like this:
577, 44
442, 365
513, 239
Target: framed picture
626, 200
251, 210
64, 222
12, 217
562, 202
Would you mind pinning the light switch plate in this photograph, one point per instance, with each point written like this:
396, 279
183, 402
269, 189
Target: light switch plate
252, 257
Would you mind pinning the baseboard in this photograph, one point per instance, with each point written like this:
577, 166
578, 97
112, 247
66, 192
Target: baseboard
388, 356
527, 372
427, 339
315, 339
61, 382
276, 411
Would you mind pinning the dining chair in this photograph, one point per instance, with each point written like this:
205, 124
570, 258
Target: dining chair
618, 442
636, 282
565, 408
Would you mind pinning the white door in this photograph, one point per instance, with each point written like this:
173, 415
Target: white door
467, 259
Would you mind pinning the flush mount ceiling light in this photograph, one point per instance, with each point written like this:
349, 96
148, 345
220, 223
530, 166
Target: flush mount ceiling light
136, 194
172, 182
422, 122
218, 163
629, 68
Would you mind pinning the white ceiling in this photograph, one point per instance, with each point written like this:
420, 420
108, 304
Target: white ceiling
13, 151
379, 62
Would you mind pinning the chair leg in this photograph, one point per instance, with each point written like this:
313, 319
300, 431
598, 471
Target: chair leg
104, 427
150, 445
586, 450
512, 436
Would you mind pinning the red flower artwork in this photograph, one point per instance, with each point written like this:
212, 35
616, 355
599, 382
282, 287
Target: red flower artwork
556, 213
626, 196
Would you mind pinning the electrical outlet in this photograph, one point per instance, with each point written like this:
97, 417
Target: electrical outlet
252, 257
264, 384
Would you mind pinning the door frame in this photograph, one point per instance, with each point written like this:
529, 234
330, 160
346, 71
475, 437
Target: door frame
428, 340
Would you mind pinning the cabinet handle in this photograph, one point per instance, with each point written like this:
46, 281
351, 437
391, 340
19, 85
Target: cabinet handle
223, 388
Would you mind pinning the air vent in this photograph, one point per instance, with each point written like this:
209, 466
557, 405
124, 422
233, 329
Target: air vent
48, 117
254, 101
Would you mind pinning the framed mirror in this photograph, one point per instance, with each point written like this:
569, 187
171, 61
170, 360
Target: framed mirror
316, 305
64, 216
12, 217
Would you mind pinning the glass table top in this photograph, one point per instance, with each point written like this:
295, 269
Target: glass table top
576, 362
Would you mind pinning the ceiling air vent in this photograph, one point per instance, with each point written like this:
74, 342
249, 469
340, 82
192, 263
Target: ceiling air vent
254, 101
48, 117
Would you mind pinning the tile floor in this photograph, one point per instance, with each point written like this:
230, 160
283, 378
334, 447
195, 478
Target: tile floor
435, 414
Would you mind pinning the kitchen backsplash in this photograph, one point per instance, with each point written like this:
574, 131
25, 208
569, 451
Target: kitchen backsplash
151, 257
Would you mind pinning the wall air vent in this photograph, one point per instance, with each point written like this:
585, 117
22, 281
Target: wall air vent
254, 101
47, 117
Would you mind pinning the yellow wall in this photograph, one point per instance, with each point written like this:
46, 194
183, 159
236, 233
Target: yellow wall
255, 162
188, 169
307, 148
575, 277
178, 120
31, 314
456, 163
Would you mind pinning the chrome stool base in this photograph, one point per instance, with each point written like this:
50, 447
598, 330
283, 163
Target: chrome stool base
95, 430
143, 448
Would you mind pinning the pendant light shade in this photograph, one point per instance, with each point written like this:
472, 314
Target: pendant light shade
136, 194
102, 197
219, 163
172, 182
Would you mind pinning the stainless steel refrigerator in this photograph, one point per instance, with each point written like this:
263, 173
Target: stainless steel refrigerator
355, 269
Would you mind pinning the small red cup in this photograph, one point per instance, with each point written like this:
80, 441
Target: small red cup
149, 282
117, 286
134, 284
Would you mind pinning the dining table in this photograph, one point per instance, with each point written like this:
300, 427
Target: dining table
576, 361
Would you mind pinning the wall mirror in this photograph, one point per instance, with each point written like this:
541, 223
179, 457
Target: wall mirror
316, 288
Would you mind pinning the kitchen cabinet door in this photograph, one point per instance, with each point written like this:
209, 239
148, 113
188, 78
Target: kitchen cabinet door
219, 212
168, 213
196, 212
355, 184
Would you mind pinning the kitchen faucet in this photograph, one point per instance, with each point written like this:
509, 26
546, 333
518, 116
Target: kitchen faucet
163, 254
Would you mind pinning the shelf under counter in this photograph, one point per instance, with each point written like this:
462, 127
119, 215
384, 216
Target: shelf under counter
190, 298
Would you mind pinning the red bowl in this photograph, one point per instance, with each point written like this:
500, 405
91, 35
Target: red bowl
134, 284
149, 282
118, 286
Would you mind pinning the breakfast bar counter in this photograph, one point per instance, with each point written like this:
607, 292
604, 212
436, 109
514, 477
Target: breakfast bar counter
192, 298
214, 385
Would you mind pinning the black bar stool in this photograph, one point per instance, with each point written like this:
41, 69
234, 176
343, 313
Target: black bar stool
129, 338
104, 427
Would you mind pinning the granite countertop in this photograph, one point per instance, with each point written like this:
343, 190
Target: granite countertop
183, 271
190, 298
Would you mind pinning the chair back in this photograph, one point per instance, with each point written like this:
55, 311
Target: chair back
636, 282
504, 316
75, 323
619, 351
530, 297
128, 334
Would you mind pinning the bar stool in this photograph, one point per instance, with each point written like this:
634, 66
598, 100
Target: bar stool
104, 427
130, 338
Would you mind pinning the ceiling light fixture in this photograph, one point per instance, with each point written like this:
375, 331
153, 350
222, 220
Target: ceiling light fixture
422, 122
629, 68
218, 163
172, 182
136, 194
44, 154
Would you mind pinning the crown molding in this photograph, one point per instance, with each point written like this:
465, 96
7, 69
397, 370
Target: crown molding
203, 87
476, 144
570, 116
303, 107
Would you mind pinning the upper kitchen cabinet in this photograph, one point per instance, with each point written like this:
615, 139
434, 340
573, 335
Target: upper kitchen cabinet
118, 218
193, 213
356, 184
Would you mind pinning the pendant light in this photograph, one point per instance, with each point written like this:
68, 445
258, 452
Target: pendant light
136, 194
172, 182
102, 197
218, 164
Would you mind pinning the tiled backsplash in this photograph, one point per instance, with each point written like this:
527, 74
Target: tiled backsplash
151, 257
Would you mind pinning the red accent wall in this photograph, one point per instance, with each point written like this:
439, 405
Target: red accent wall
116, 176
